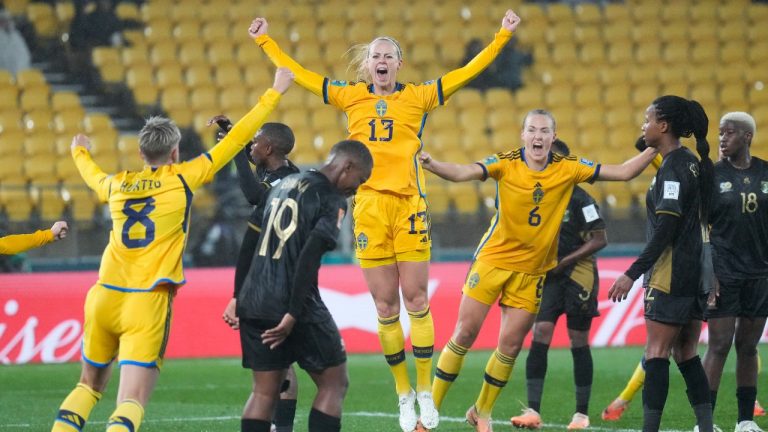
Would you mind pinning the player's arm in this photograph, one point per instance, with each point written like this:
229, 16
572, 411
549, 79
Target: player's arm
304, 77
244, 130
641, 146
254, 190
596, 240
453, 171
94, 177
457, 78
629, 169
18, 243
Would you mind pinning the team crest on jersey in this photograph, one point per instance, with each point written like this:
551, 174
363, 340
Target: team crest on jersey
361, 242
473, 280
586, 162
727, 187
694, 168
338, 83
491, 160
764, 187
538, 193
567, 215
381, 108
746, 181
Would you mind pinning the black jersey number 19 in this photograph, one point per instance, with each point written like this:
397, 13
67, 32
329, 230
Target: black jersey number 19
276, 210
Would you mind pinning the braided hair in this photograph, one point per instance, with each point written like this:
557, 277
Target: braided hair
686, 118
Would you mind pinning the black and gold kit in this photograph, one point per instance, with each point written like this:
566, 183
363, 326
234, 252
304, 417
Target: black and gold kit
574, 291
739, 236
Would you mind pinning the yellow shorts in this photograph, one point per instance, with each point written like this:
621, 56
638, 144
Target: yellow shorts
486, 283
133, 326
391, 227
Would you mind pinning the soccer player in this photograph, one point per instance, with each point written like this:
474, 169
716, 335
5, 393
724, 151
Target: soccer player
282, 317
128, 310
18, 243
534, 187
390, 214
677, 204
570, 289
269, 152
739, 237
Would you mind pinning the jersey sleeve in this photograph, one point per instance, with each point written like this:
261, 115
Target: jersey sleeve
584, 170
18, 243
492, 166
674, 190
311, 81
96, 179
332, 212
201, 170
457, 78
589, 213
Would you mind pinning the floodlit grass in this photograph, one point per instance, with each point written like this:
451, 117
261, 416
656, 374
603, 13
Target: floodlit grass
208, 395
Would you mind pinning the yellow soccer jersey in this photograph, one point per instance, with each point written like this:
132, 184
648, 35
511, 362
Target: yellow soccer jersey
150, 209
392, 125
529, 208
18, 243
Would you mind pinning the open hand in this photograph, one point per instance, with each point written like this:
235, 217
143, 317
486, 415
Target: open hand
620, 288
230, 315
277, 335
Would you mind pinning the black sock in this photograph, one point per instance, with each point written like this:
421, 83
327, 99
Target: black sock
655, 392
745, 399
697, 389
253, 425
713, 398
284, 415
582, 377
322, 422
535, 371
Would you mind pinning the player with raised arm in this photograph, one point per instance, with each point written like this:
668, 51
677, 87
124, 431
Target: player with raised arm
18, 243
128, 310
390, 213
282, 317
534, 187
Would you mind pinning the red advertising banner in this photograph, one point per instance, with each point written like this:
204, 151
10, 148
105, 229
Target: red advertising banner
41, 314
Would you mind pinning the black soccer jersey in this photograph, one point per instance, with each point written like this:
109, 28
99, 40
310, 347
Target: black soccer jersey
267, 180
675, 191
581, 217
739, 220
299, 206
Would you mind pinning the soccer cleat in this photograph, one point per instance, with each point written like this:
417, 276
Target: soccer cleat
579, 421
614, 410
747, 426
429, 416
408, 416
480, 424
529, 419
715, 428
759, 410
420, 427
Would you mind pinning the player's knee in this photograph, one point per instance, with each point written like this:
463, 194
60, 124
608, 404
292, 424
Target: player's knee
542, 332
719, 347
745, 349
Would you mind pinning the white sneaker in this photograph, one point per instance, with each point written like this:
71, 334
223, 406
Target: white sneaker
408, 417
428, 413
715, 428
747, 426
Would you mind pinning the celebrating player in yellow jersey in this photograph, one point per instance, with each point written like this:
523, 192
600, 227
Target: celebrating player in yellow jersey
391, 216
534, 187
128, 310
18, 243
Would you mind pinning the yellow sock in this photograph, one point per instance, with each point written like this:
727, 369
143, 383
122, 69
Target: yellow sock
423, 341
75, 409
127, 417
497, 373
448, 367
635, 384
393, 346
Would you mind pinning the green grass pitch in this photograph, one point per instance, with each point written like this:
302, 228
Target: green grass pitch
208, 395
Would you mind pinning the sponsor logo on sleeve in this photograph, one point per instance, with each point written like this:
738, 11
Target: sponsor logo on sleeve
586, 162
590, 213
338, 83
490, 160
671, 190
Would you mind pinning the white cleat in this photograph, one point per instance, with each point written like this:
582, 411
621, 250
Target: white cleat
429, 415
747, 426
408, 417
715, 428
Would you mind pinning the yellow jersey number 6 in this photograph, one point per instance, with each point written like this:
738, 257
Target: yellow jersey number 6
534, 219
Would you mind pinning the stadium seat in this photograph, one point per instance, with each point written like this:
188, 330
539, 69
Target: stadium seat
163, 52
585, 35
65, 169
704, 13
10, 121
11, 143
733, 52
758, 52
15, 202
68, 123
168, 75
98, 122
732, 96
464, 197
38, 121
227, 75
191, 53
564, 54
233, 98
588, 14
43, 18
615, 32
220, 52
41, 167
64, 12
34, 98
705, 52
675, 13
82, 203
198, 75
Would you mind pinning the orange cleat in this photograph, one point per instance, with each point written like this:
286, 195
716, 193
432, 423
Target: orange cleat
480, 424
614, 410
529, 419
579, 421
759, 410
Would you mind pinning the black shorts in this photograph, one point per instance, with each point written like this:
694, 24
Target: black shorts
561, 295
670, 309
314, 346
744, 298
